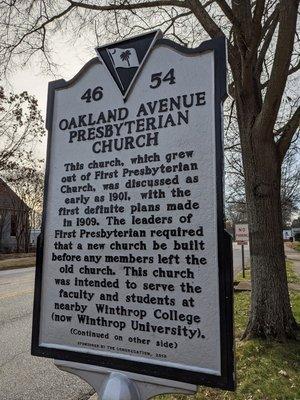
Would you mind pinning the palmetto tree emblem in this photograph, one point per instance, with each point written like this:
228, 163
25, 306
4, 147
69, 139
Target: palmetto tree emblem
125, 56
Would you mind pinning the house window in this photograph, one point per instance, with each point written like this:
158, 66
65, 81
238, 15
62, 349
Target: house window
13, 224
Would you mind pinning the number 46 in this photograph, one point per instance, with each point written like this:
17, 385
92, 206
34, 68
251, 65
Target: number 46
157, 80
95, 94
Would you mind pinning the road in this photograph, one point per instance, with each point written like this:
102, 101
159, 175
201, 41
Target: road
23, 377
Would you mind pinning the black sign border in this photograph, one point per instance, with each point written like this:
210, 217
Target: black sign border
227, 378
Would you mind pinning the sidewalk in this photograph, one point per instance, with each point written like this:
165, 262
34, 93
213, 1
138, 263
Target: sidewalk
294, 256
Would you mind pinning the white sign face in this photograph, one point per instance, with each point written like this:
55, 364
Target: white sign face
242, 232
130, 273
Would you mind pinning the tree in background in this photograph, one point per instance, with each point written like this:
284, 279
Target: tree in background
290, 187
263, 53
296, 222
236, 205
21, 129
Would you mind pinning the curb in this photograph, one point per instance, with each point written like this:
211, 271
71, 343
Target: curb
8, 268
16, 263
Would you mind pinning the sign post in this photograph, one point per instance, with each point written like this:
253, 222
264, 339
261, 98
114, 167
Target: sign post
134, 267
242, 238
243, 260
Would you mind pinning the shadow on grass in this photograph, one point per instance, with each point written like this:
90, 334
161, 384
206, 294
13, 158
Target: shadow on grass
265, 370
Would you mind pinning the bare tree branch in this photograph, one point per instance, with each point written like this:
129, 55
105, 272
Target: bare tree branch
266, 43
242, 11
227, 10
290, 72
284, 48
257, 28
205, 19
43, 25
288, 131
210, 25
269, 20
126, 5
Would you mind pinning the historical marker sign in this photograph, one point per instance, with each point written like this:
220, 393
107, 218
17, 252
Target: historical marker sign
134, 269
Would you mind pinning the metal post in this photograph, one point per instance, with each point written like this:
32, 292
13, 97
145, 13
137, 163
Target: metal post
119, 385
243, 260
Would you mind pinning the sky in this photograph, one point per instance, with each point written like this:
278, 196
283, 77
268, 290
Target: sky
32, 78
70, 57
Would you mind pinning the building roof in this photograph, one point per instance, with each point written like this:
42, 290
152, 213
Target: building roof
9, 199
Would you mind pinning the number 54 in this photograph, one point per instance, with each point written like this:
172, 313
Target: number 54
156, 79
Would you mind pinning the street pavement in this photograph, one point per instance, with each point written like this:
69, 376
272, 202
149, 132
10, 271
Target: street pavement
22, 376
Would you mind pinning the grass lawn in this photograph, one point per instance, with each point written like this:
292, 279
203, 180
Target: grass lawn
17, 263
291, 274
8, 256
239, 276
265, 370
296, 246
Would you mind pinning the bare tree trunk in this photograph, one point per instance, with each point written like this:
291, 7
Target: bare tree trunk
271, 314
27, 232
